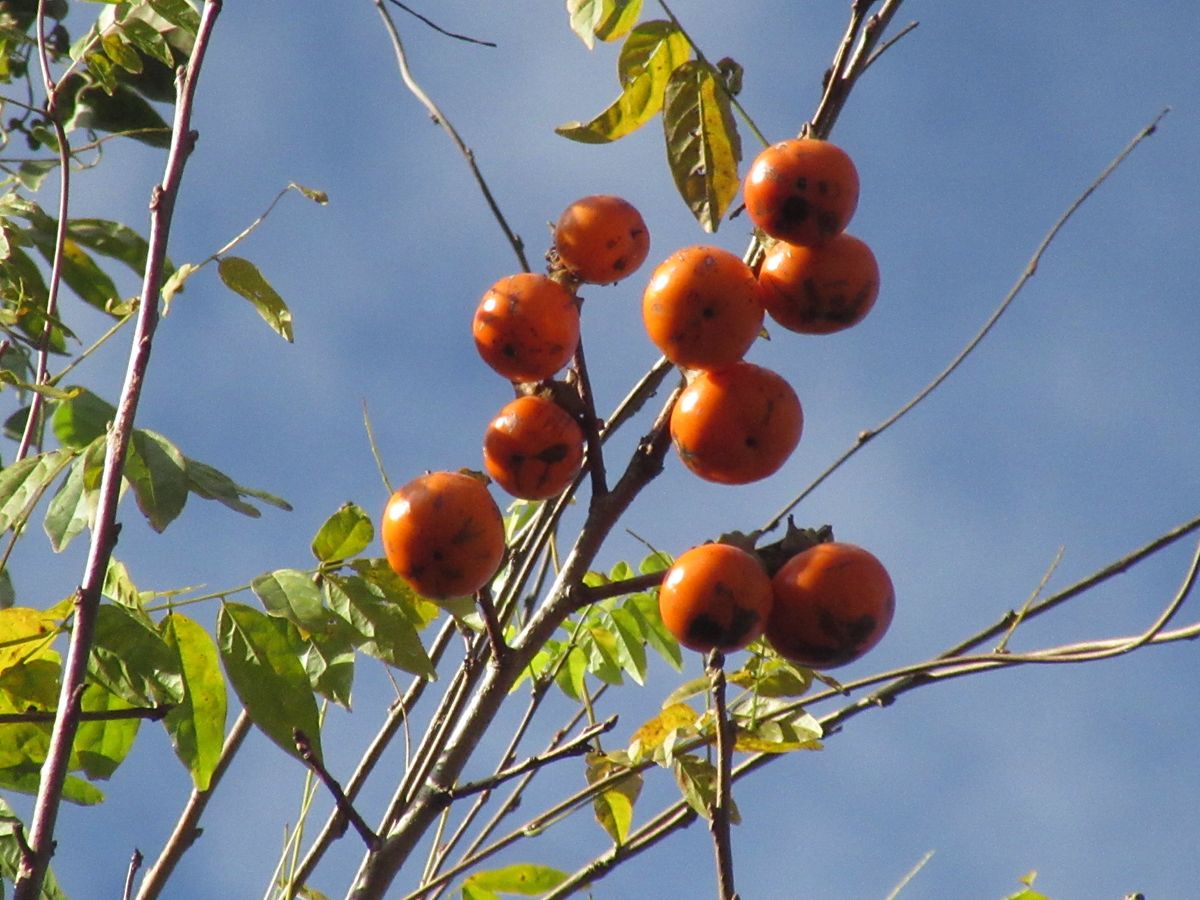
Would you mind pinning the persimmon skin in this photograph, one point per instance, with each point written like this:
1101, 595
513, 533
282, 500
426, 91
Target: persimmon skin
533, 448
715, 597
803, 191
820, 290
833, 603
443, 534
526, 327
702, 308
601, 239
736, 425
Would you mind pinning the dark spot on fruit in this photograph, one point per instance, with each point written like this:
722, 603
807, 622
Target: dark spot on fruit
744, 622
509, 350
794, 211
802, 183
619, 264
708, 313
704, 631
827, 223
751, 442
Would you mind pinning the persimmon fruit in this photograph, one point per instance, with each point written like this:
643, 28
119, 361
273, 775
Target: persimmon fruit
822, 289
737, 424
803, 191
702, 307
715, 597
601, 239
533, 448
832, 603
443, 534
527, 327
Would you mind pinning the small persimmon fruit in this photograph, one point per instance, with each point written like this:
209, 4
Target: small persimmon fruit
443, 534
737, 424
527, 327
715, 597
802, 191
820, 290
601, 239
533, 448
833, 603
702, 308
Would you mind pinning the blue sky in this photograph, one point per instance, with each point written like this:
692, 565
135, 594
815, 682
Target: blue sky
1073, 425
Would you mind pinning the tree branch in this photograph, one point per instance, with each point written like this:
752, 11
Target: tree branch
718, 822
104, 535
345, 807
435, 113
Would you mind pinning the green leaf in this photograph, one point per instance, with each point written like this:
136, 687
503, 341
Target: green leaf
526, 879
631, 650
314, 194
267, 675
147, 38
22, 484
114, 240
291, 594
211, 484
123, 111
346, 533
600, 645
10, 855
157, 472
614, 805
386, 631
121, 53
395, 590
572, 674
177, 12
652, 52
772, 676
33, 172
26, 779
101, 745
243, 277
82, 419
132, 660
328, 657
79, 271
644, 608
703, 147
197, 723
697, 780
119, 586
621, 18
27, 635
174, 284
73, 506
8, 596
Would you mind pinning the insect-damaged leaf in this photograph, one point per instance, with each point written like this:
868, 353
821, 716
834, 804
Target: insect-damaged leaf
703, 147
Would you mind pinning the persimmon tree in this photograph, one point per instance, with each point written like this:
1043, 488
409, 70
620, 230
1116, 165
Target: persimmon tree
80, 679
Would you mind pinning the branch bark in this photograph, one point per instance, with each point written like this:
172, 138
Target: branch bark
104, 536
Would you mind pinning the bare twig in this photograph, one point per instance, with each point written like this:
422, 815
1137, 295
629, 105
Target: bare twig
417, 91
595, 453
345, 807
37, 401
719, 811
135, 863
853, 57
104, 534
151, 713
1030, 270
576, 746
187, 828
491, 623
439, 29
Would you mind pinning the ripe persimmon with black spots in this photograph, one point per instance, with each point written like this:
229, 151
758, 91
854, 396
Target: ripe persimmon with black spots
832, 603
533, 448
737, 424
803, 191
702, 308
822, 289
601, 239
527, 327
715, 597
443, 534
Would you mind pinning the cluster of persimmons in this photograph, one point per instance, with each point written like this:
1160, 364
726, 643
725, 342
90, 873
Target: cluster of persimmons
734, 423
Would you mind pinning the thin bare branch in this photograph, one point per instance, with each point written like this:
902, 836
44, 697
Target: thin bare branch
1030, 270
104, 534
468, 154
439, 29
719, 812
151, 713
346, 808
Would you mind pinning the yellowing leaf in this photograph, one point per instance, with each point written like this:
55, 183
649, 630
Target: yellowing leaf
653, 733
614, 805
244, 278
703, 147
653, 51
